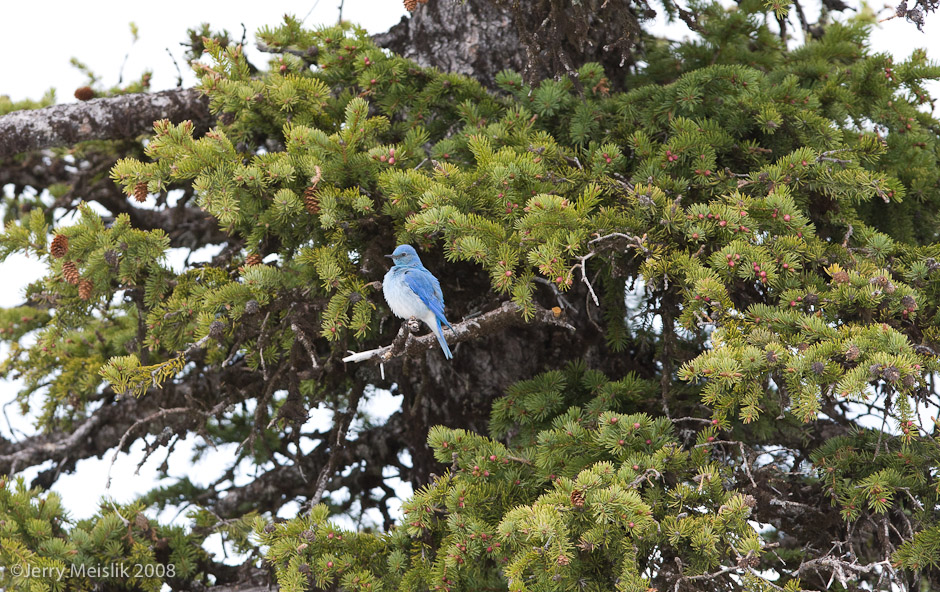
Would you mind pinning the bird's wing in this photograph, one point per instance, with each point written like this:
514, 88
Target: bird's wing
428, 289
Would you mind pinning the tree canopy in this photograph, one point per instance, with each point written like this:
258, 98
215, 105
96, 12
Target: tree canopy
694, 295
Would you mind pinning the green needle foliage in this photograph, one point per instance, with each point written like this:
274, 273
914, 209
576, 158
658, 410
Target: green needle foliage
743, 248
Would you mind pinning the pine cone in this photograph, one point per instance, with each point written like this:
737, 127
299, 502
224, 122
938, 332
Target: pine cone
140, 192
818, 368
311, 200
810, 299
577, 498
70, 272
909, 303
59, 246
252, 307
84, 93
772, 356
852, 353
111, 257
840, 277
253, 259
891, 374
410, 5
217, 329
85, 288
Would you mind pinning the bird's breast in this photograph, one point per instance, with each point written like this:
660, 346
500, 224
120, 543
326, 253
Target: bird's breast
401, 299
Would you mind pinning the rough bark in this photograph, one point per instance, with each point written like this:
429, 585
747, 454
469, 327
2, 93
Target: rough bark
111, 118
474, 38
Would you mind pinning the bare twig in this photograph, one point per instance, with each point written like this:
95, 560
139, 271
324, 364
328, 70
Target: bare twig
828, 156
339, 441
308, 345
634, 242
308, 55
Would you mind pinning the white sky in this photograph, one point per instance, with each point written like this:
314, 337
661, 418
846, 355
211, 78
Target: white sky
37, 39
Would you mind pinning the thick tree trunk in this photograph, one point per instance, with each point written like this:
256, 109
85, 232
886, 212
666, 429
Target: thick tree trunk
474, 38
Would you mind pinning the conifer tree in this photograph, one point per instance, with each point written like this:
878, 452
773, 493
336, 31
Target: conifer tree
695, 307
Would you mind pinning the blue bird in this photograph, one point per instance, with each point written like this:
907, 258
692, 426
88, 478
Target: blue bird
412, 291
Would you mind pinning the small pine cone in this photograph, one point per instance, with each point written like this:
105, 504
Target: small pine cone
410, 5
852, 353
84, 93
577, 498
750, 501
891, 374
217, 329
880, 281
909, 303
312, 200
111, 257
269, 528
85, 288
70, 272
308, 535
563, 560
252, 307
304, 568
840, 277
818, 368
810, 299
253, 259
890, 288
772, 356
140, 192
909, 381
749, 560
59, 246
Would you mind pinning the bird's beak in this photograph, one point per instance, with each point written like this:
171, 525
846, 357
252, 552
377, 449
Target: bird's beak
390, 256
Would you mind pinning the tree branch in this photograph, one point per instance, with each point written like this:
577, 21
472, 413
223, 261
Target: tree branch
109, 118
493, 321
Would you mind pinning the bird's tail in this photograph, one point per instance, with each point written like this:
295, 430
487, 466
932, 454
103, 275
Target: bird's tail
444, 319
440, 339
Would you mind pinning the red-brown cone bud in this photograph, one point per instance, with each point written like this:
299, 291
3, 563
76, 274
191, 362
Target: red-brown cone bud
84, 93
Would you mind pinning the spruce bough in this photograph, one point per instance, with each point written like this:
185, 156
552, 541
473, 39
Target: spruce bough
744, 243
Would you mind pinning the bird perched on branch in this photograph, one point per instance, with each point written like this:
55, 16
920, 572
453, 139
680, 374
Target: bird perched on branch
412, 291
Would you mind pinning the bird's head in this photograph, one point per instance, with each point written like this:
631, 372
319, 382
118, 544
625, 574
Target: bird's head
405, 256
